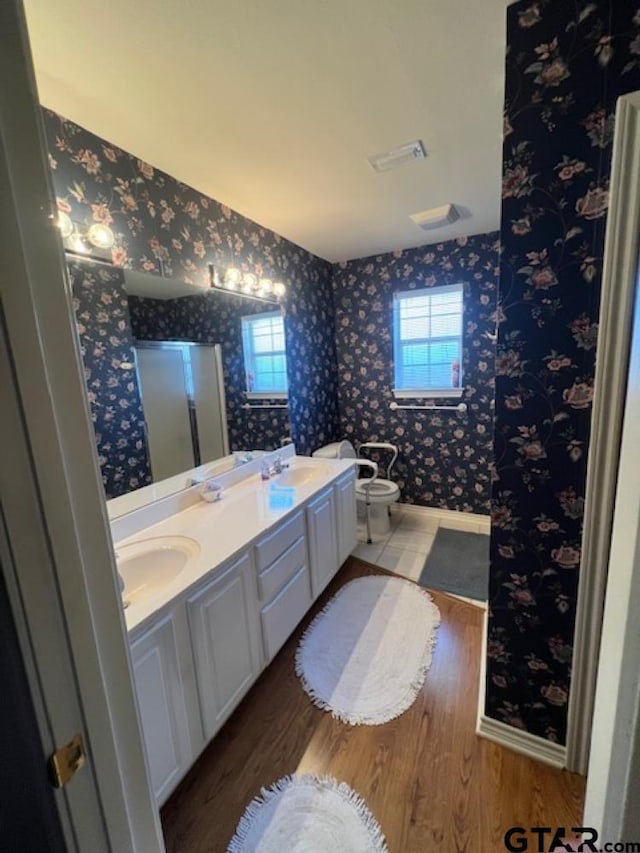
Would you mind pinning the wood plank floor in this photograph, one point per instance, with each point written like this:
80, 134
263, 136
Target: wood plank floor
430, 781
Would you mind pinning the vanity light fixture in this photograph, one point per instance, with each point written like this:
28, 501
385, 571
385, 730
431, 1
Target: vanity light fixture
246, 284
96, 236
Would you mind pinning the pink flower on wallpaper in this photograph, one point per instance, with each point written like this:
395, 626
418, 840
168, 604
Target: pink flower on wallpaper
569, 168
516, 182
546, 526
145, 169
501, 516
599, 126
595, 203
554, 694
63, 206
520, 227
89, 161
566, 557
553, 73
529, 17
532, 450
101, 213
509, 364
543, 278
579, 396
584, 331
118, 256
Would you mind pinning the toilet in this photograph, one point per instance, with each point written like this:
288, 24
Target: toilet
374, 495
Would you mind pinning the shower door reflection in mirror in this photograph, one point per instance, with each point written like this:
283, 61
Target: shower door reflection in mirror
182, 390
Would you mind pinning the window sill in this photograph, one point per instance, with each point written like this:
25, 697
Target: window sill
442, 394
263, 395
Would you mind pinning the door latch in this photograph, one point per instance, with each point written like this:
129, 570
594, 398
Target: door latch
67, 760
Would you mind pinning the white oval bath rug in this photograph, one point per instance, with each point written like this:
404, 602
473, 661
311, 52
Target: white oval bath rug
308, 814
366, 655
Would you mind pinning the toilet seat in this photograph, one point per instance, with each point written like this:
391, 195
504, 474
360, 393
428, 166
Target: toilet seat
380, 491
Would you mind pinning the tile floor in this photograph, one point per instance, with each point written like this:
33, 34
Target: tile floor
405, 548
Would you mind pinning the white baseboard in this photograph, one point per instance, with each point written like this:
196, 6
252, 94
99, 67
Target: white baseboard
451, 518
522, 742
507, 736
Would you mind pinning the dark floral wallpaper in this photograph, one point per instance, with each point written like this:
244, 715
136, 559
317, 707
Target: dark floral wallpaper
102, 320
445, 458
567, 64
163, 226
216, 318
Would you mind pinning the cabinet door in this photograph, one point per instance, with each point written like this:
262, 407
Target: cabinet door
163, 706
223, 620
345, 497
323, 547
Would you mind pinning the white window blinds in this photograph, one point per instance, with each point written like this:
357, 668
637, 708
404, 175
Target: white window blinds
427, 339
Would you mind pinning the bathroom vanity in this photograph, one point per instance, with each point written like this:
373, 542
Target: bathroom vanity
237, 576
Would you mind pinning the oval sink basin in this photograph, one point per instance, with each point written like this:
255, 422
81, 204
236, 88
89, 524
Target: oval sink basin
301, 475
150, 564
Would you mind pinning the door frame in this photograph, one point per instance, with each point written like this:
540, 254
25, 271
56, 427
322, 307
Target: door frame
63, 592
611, 802
620, 267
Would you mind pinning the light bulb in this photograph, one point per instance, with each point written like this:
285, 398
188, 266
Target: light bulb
65, 225
100, 236
249, 282
265, 286
78, 244
232, 277
279, 289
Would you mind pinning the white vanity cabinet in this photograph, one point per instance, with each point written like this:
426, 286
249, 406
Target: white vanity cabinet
322, 539
345, 500
226, 645
197, 655
283, 582
165, 688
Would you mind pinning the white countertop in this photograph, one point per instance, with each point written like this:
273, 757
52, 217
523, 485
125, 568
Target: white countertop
227, 527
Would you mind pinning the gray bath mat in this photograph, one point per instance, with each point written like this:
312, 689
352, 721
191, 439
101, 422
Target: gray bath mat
459, 563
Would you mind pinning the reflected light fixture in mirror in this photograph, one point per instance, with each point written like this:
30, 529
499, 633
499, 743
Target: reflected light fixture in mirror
96, 236
246, 284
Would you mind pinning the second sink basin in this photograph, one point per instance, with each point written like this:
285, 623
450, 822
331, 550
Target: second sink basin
148, 565
302, 474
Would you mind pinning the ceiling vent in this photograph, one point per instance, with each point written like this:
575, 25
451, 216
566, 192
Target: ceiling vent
436, 217
408, 153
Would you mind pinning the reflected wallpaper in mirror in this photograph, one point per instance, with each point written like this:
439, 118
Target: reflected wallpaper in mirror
110, 323
163, 226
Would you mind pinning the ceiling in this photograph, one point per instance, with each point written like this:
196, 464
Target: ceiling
273, 106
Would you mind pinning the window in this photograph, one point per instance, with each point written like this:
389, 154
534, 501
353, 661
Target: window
427, 342
265, 358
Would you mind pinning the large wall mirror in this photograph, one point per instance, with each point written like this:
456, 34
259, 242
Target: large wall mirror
176, 381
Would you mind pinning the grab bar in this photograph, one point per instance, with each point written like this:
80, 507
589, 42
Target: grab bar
461, 408
265, 405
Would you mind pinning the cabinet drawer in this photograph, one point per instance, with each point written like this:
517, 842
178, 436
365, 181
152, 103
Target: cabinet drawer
271, 547
285, 611
278, 573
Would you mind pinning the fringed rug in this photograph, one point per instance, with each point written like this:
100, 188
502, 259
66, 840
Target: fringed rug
308, 814
364, 658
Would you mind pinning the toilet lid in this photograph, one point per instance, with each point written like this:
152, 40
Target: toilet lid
382, 491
